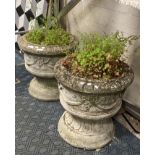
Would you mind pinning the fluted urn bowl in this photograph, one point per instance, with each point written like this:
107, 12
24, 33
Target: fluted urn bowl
40, 61
89, 106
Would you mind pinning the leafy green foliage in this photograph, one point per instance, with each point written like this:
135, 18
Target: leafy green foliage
36, 36
57, 36
50, 33
99, 56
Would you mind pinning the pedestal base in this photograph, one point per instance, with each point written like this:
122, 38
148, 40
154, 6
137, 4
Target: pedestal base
87, 134
44, 89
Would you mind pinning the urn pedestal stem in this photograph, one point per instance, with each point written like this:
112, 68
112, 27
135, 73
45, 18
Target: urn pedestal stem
83, 133
44, 89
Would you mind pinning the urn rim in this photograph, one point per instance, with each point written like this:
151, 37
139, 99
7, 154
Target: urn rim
67, 79
32, 48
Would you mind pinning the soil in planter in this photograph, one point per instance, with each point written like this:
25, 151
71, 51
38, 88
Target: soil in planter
114, 69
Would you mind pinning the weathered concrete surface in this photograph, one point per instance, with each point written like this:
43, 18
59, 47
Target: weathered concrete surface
90, 104
44, 89
40, 61
85, 134
108, 16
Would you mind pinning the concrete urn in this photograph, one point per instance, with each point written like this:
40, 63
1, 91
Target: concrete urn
89, 106
40, 61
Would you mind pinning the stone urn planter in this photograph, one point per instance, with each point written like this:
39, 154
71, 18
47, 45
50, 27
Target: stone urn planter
40, 61
89, 106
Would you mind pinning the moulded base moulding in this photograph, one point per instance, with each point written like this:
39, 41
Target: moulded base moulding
44, 89
87, 134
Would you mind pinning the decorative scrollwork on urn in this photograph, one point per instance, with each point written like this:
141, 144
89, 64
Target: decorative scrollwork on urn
89, 102
42, 66
40, 62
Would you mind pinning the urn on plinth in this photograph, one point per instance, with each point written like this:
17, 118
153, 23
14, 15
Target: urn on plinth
40, 61
90, 105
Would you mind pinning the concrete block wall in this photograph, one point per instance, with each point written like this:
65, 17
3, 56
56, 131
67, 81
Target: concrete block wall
108, 16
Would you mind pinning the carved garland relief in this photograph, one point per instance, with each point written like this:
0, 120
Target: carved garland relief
89, 102
40, 62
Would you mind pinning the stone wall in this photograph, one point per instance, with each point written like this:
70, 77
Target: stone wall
109, 16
